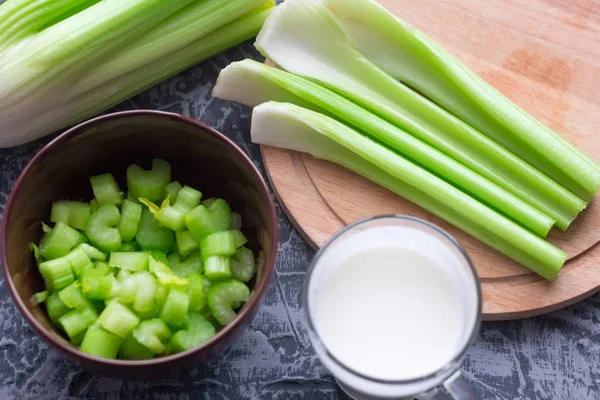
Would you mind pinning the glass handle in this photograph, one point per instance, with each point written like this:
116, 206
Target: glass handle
455, 388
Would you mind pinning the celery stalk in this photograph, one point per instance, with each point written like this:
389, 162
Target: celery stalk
296, 128
61, 100
413, 58
262, 83
303, 37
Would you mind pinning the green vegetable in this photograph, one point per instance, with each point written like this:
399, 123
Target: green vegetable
335, 63
59, 241
129, 246
79, 262
149, 184
198, 332
73, 213
196, 292
171, 191
72, 297
186, 243
103, 53
218, 244
92, 252
106, 190
131, 213
76, 321
98, 287
413, 58
200, 222
217, 268
39, 297
295, 128
242, 265
186, 266
223, 296
221, 214
152, 236
101, 343
152, 334
238, 238
55, 308
131, 349
174, 310
57, 273
101, 228
118, 319
135, 261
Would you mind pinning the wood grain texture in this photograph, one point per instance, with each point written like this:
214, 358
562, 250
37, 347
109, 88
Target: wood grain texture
542, 54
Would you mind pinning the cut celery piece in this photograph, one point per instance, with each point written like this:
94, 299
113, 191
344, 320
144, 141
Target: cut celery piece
186, 266
79, 261
92, 252
98, 287
187, 199
186, 244
73, 213
152, 236
221, 213
131, 349
223, 296
94, 205
129, 246
57, 273
145, 293
218, 244
118, 319
413, 58
137, 261
76, 321
55, 308
165, 275
153, 334
106, 190
199, 331
304, 130
175, 308
158, 256
59, 241
101, 229
239, 239
149, 184
217, 268
200, 222
101, 343
131, 213
72, 297
365, 83
36, 253
171, 191
39, 297
242, 265
196, 292
236, 221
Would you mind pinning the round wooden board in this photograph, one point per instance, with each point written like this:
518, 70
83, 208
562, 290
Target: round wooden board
542, 54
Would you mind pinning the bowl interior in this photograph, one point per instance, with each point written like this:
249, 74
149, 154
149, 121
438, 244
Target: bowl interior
198, 157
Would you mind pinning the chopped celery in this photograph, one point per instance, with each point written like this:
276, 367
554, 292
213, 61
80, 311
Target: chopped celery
236, 221
223, 296
218, 244
129, 246
152, 236
187, 199
55, 308
101, 229
196, 292
59, 241
198, 332
131, 213
118, 319
200, 222
73, 213
106, 190
98, 287
304, 130
413, 58
101, 343
131, 349
79, 261
217, 268
165, 275
186, 244
149, 184
145, 293
92, 252
184, 267
94, 205
76, 321
102, 268
153, 334
239, 239
57, 273
175, 308
40, 297
72, 297
171, 191
173, 216
343, 69
36, 253
160, 256
221, 214
137, 261
206, 203
242, 265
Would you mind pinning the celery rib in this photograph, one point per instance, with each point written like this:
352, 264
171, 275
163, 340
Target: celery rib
303, 37
295, 128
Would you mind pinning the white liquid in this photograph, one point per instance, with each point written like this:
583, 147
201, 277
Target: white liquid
386, 307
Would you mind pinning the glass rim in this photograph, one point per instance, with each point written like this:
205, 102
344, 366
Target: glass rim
449, 367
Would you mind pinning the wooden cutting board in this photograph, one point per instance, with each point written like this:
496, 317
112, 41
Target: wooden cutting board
542, 54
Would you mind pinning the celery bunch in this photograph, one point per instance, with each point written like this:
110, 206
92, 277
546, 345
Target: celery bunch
62, 61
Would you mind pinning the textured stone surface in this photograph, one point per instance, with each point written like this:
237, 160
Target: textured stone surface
551, 357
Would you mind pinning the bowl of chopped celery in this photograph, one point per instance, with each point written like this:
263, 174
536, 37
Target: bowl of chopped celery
139, 244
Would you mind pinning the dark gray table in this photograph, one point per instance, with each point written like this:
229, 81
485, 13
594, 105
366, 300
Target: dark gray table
551, 357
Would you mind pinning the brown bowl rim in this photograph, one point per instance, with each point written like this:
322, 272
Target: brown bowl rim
247, 311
